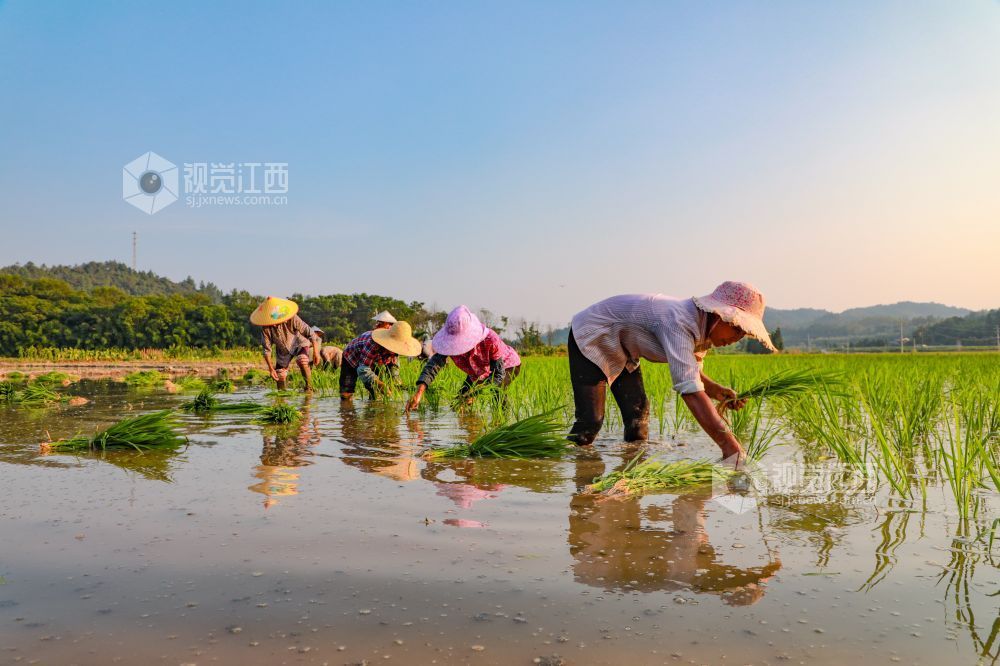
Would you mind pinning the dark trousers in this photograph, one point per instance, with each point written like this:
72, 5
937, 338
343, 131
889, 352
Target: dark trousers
590, 388
349, 379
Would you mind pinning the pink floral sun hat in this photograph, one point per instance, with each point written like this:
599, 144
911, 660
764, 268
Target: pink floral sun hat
740, 304
461, 332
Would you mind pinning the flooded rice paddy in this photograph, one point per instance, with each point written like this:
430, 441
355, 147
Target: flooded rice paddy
332, 542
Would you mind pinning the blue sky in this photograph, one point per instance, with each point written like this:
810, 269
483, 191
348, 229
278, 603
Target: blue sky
526, 157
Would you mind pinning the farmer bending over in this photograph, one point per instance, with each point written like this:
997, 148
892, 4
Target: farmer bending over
607, 340
291, 338
476, 349
375, 352
383, 320
330, 356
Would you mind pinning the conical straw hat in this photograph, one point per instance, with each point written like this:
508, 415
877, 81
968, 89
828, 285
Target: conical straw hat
398, 339
273, 311
385, 316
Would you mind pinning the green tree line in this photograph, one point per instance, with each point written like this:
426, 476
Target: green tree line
48, 312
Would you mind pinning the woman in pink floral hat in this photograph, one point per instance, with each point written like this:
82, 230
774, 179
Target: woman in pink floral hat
607, 340
475, 348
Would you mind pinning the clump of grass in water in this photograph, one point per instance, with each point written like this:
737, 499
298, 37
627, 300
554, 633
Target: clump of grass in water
144, 378
539, 436
206, 402
156, 430
647, 476
190, 383
223, 386
53, 377
279, 414
29, 394
255, 377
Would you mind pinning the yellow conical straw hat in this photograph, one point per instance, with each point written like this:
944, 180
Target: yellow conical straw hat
398, 339
273, 311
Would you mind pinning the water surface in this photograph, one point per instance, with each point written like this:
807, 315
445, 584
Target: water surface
332, 541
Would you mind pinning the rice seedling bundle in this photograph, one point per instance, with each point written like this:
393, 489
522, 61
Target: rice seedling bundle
190, 383
37, 394
539, 436
647, 476
207, 402
223, 386
255, 377
29, 394
7, 391
278, 414
144, 378
53, 377
156, 430
789, 383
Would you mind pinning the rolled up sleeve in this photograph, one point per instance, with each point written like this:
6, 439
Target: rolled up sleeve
685, 364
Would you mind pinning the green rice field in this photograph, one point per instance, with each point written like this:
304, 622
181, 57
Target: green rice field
865, 527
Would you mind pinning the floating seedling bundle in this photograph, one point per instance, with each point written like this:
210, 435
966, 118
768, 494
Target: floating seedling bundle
648, 476
156, 430
279, 414
29, 394
145, 378
207, 402
539, 436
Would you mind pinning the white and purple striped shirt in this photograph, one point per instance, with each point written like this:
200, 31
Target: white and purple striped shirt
616, 332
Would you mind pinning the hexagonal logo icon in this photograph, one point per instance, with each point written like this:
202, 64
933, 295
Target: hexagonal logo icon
149, 183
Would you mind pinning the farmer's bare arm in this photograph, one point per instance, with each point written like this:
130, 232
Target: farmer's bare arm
270, 366
704, 412
416, 397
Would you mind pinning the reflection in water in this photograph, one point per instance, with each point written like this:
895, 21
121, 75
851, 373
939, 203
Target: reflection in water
285, 449
893, 535
963, 590
372, 441
615, 546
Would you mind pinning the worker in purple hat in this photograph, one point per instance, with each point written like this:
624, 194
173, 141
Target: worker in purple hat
607, 340
474, 348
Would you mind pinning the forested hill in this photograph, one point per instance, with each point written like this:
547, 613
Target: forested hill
978, 328
46, 312
93, 274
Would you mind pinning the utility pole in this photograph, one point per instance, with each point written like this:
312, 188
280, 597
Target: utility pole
998, 337
900, 336
134, 239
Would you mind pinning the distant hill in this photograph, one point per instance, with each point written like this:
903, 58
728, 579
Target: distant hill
978, 328
797, 318
906, 310
93, 274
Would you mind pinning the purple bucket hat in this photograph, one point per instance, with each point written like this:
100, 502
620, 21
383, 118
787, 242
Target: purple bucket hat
461, 332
